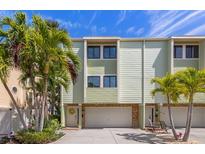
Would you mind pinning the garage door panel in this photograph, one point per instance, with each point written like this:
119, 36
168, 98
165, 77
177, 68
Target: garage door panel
180, 115
96, 117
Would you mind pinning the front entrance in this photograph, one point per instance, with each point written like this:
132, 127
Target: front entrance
72, 116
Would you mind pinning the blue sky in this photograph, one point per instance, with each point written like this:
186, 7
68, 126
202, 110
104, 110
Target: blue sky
125, 23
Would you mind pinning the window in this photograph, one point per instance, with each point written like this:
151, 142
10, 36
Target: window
109, 52
178, 51
93, 81
93, 52
192, 51
110, 81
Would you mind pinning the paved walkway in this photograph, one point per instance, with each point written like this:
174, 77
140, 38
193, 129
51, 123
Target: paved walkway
120, 136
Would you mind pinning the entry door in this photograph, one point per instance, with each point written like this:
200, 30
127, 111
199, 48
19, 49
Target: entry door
72, 117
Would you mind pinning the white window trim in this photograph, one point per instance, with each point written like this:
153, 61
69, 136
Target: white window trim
101, 80
184, 51
101, 51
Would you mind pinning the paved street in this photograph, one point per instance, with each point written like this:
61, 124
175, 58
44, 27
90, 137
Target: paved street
120, 136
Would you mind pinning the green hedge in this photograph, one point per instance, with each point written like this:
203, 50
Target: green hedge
49, 134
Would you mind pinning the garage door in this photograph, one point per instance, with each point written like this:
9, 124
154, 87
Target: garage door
180, 113
102, 117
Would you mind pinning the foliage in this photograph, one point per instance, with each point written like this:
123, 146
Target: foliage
42, 51
49, 134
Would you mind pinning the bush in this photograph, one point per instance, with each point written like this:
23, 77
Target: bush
49, 134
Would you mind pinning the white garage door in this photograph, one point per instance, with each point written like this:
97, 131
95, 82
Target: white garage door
180, 114
108, 117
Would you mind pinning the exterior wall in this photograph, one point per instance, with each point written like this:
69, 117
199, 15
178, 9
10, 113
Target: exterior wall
102, 67
130, 72
5, 100
101, 95
75, 93
157, 61
202, 55
181, 64
155, 65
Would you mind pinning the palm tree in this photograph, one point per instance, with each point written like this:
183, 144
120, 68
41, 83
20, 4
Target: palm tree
5, 66
36, 50
12, 42
168, 86
193, 81
54, 47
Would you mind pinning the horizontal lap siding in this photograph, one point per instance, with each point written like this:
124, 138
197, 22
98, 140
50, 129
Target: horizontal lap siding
75, 93
155, 65
102, 66
101, 95
130, 72
183, 64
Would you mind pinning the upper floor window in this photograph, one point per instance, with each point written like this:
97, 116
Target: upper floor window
192, 51
109, 52
110, 81
93, 52
178, 51
93, 81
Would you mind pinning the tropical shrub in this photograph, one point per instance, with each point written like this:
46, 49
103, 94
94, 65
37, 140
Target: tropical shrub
49, 134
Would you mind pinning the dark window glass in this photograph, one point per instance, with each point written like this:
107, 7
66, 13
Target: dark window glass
110, 81
109, 52
93, 81
192, 51
93, 52
178, 51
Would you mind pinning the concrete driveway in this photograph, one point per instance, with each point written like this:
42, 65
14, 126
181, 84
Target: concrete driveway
120, 136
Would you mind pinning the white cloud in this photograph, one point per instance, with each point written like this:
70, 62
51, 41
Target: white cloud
93, 30
130, 30
164, 23
121, 17
134, 30
197, 30
102, 29
92, 18
6, 13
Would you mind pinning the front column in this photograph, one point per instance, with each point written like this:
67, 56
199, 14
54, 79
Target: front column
80, 116
62, 116
142, 116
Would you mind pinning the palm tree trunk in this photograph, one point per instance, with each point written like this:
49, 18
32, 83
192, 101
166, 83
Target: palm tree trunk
14, 103
45, 93
35, 104
189, 119
171, 118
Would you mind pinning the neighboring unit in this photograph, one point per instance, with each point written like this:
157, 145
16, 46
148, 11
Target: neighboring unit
113, 88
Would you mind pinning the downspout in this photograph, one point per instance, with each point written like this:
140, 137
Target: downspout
142, 100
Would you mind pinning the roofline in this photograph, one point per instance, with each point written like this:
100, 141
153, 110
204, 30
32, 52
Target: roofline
139, 39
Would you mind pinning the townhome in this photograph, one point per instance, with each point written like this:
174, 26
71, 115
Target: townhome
113, 88
9, 119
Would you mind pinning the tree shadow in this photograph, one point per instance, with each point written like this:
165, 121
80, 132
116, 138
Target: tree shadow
149, 138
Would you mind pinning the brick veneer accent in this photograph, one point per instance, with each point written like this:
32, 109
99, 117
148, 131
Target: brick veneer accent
135, 116
135, 112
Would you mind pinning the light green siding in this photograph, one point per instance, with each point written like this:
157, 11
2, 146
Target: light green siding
101, 95
102, 66
130, 72
202, 55
183, 64
155, 65
67, 96
76, 92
